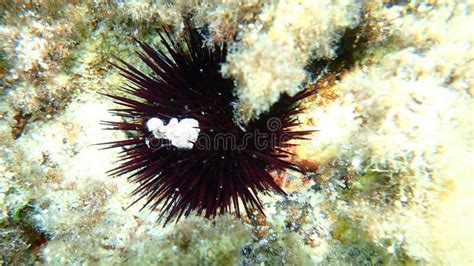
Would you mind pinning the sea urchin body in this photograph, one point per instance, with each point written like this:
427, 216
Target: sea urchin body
186, 152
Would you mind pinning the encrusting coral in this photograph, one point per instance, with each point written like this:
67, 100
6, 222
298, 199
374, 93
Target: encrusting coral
405, 122
388, 174
272, 51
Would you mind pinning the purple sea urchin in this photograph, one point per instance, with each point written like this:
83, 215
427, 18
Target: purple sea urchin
187, 153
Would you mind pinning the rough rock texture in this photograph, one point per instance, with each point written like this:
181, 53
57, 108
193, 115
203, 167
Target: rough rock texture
273, 50
388, 174
403, 126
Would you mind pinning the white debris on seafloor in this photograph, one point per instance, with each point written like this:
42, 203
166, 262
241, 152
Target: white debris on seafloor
182, 134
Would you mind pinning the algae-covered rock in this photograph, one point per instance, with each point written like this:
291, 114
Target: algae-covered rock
387, 172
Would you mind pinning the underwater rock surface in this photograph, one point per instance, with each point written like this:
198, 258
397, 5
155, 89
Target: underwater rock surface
387, 175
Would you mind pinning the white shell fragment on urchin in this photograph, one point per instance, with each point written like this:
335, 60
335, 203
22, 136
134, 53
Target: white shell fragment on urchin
182, 134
